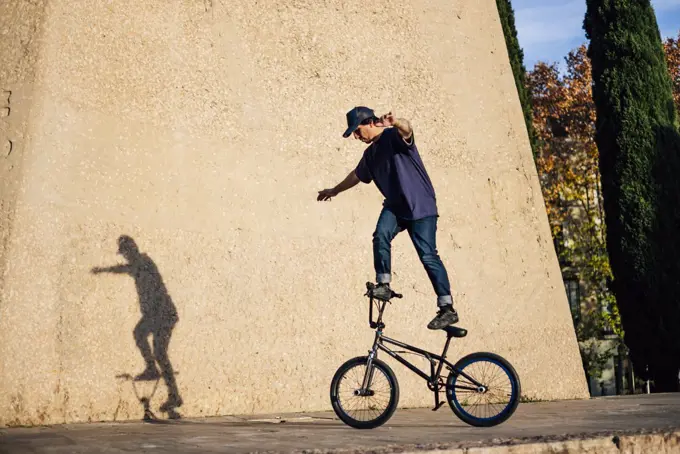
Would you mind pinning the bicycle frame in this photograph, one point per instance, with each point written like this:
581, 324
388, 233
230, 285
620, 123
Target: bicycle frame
436, 361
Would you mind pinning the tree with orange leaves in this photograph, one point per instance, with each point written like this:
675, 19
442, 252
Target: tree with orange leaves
672, 49
567, 164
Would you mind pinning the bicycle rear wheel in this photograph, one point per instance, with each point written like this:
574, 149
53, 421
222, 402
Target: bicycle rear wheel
370, 410
492, 399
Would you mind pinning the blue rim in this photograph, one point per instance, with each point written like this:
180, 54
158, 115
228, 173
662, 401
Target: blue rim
507, 372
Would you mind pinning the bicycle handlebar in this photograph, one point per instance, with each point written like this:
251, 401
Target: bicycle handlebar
370, 286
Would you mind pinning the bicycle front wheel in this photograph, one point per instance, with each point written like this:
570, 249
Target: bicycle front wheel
483, 390
364, 409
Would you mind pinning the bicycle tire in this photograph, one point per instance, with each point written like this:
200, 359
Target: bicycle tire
380, 418
454, 399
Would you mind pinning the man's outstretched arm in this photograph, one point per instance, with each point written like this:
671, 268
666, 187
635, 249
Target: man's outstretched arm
349, 182
402, 125
117, 269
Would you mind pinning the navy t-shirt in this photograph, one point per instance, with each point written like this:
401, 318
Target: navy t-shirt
400, 176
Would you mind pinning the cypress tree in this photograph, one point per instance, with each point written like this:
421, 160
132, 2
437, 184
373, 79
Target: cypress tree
639, 149
507, 18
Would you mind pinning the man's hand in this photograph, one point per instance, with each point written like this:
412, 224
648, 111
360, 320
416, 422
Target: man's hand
402, 125
386, 120
326, 194
350, 181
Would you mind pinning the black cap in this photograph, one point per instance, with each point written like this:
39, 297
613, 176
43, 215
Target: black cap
355, 117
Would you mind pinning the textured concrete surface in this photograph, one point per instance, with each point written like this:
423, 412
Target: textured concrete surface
203, 130
592, 426
20, 30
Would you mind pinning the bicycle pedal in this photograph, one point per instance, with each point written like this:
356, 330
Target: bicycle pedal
438, 406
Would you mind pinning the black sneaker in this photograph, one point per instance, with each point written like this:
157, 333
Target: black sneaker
446, 316
382, 292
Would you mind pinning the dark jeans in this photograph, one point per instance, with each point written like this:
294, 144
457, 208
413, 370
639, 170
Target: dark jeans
423, 235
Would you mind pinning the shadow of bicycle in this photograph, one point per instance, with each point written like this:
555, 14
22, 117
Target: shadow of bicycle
144, 397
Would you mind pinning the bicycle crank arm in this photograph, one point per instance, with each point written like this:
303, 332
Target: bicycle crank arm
437, 403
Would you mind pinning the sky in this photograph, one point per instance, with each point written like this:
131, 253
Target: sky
549, 29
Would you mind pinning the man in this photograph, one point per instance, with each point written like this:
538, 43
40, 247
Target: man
392, 161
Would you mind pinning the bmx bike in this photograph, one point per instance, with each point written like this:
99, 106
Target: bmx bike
482, 389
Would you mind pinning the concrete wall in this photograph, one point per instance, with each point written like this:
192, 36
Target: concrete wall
202, 130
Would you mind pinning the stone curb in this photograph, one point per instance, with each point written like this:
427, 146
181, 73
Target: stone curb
660, 441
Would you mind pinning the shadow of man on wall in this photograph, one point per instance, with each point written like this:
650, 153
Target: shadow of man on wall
159, 317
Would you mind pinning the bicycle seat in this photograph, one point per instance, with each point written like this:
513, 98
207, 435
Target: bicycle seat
454, 331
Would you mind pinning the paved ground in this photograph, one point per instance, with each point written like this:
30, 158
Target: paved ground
322, 431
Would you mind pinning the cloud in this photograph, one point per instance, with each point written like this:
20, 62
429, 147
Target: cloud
665, 5
549, 22
549, 29
667, 16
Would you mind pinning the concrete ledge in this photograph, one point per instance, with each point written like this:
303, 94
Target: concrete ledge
662, 441
645, 424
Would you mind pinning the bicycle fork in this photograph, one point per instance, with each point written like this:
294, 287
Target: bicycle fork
368, 376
